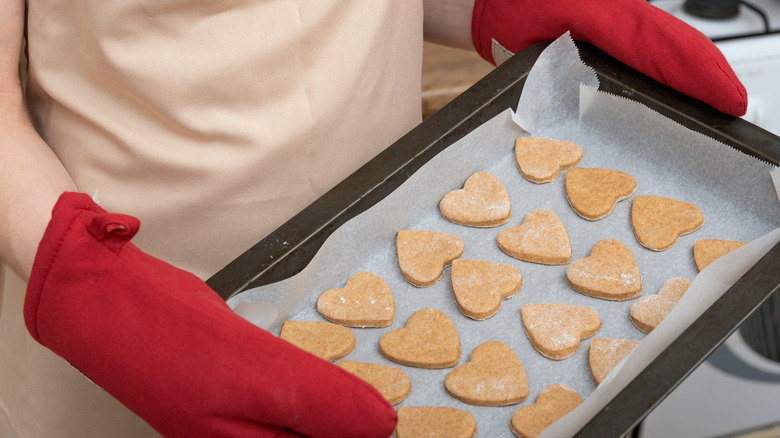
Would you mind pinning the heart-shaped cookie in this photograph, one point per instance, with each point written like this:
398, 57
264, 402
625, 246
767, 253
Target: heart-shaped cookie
540, 160
392, 383
593, 193
365, 301
423, 254
434, 422
479, 286
323, 339
551, 405
649, 311
708, 250
659, 221
482, 202
609, 272
605, 354
493, 376
429, 340
556, 329
541, 238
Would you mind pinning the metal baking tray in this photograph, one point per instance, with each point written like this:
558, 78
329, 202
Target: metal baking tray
287, 250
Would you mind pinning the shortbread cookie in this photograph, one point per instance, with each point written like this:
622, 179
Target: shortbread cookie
392, 383
593, 193
556, 329
482, 202
429, 340
479, 286
541, 160
609, 272
659, 221
365, 301
605, 354
493, 376
708, 250
423, 254
541, 238
322, 339
552, 404
649, 311
434, 422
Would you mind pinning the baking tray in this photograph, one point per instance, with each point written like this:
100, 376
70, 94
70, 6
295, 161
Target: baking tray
287, 250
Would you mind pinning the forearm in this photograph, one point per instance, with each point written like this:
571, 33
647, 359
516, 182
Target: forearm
448, 22
31, 176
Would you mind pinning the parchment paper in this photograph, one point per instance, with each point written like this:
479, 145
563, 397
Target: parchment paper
559, 100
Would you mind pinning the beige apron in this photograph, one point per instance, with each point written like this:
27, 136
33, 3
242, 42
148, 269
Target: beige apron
213, 123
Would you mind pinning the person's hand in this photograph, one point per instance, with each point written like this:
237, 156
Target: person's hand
635, 32
165, 345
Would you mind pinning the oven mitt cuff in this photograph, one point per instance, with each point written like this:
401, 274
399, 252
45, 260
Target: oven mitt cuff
164, 344
635, 32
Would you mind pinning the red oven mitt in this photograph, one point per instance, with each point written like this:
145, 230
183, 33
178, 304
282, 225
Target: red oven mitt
164, 344
635, 32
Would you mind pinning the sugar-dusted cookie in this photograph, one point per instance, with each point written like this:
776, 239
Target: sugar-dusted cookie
365, 301
423, 254
556, 329
493, 376
552, 404
482, 202
649, 311
540, 160
593, 193
322, 339
479, 286
434, 422
541, 238
604, 354
609, 272
659, 221
392, 383
708, 250
429, 340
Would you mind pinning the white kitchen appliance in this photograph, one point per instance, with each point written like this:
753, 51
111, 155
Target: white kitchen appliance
736, 392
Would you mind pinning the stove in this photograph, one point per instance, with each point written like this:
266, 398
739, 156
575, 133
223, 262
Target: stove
736, 392
751, 17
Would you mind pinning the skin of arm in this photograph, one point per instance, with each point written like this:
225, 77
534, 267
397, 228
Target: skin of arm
448, 22
31, 175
